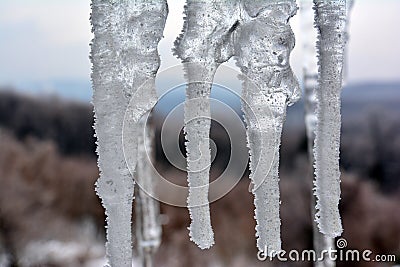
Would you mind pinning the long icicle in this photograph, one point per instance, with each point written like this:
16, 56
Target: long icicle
202, 47
124, 56
310, 83
263, 44
330, 20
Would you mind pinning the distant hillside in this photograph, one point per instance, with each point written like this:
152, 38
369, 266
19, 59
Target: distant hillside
370, 144
68, 124
371, 92
357, 99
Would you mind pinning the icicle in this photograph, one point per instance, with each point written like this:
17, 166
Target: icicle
202, 47
148, 228
330, 20
310, 82
124, 55
263, 44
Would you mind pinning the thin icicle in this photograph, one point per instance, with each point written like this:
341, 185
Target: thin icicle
148, 228
310, 83
263, 44
124, 55
202, 47
330, 20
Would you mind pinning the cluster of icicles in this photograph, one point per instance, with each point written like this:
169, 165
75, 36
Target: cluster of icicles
258, 35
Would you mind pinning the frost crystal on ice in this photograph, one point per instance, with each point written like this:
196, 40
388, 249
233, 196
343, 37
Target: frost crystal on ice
124, 56
330, 20
310, 83
125, 61
262, 46
202, 48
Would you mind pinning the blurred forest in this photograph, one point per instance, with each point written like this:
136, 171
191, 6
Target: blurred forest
50, 215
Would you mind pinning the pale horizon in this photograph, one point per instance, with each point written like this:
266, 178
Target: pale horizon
48, 41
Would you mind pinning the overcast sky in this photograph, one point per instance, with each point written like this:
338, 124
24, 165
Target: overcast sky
46, 40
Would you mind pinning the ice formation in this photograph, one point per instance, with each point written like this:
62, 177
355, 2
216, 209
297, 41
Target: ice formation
201, 49
310, 83
262, 48
258, 34
124, 57
330, 20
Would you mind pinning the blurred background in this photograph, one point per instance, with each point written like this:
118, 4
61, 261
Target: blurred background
49, 213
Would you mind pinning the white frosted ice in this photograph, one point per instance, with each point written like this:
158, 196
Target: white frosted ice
258, 34
202, 48
125, 62
124, 55
310, 83
330, 20
262, 48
